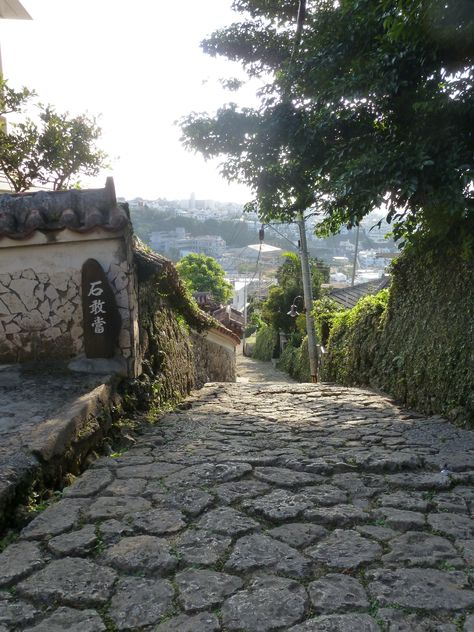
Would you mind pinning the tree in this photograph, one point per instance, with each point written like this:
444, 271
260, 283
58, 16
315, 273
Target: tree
275, 309
52, 150
372, 106
203, 274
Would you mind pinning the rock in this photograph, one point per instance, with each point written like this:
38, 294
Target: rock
73, 581
55, 519
426, 589
207, 474
190, 501
325, 495
413, 501
257, 551
284, 477
140, 602
338, 623
143, 553
14, 612
203, 622
381, 534
399, 519
269, 603
345, 549
399, 621
239, 490
126, 487
336, 593
18, 560
227, 521
148, 471
74, 543
70, 620
158, 521
337, 516
116, 506
198, 546
201, 589
451, 524
279, 505
298, 534
112, 530
416, 548
88, 484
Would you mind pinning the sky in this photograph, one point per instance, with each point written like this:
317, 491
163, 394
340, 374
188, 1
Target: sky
139, 66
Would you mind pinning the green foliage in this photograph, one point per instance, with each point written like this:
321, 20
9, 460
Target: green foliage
372, 106
52, 150
203, 274
354, 340
290, 285
295, 361
266, 340
417, 347
324, 312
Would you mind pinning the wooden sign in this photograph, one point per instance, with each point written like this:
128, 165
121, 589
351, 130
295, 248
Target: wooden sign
101, 316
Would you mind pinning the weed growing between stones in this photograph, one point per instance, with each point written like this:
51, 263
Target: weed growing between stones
9, 538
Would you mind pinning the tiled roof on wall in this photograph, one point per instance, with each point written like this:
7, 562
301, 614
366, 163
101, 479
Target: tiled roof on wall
21, 214
347, 297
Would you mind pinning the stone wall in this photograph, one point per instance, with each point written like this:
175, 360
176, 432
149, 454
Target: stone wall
214, 358
40, 295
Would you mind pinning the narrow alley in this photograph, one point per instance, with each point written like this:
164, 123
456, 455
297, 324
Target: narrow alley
255, 507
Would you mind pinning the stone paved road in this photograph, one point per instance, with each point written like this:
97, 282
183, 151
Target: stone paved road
262, 507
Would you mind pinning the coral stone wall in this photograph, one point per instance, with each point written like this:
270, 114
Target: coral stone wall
214, 358
40, 295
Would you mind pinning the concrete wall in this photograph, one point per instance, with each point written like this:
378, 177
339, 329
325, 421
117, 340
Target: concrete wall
40, 294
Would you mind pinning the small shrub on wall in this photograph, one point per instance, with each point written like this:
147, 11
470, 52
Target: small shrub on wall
295, 361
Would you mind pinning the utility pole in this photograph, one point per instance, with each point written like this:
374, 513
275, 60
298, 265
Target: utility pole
313, 347
355, 256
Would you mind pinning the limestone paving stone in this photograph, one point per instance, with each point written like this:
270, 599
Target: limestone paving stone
337, 516
158, 521
467, 550
140, 602
285, 477
325, 495
258, 551
192, 502
469, 623
398, 621
148, 471
413, 501
202, 589
270, 603
126, 487
89, 483
400, 519
239, 490
227, 521
345, 549
207, 474
143, 553
198, 546
381, 534
113, 530
417, 548
338, 623
336, 593
73, 581
279, 505
74, 543
450, 503
428, 589
70, 620
455, 525
298, 534
202, 622
116, 507
16, 612
55, 519
18, 560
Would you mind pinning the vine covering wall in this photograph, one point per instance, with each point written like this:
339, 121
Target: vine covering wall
418, 342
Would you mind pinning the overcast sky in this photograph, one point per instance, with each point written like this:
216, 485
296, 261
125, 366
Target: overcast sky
139, 65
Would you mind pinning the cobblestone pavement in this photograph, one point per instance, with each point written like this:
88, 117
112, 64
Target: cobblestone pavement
259, 507
250, 370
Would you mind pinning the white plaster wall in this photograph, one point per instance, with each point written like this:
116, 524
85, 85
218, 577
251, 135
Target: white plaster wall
40, 293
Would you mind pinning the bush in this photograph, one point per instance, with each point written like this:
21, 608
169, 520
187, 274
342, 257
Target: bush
266, 340
295, 361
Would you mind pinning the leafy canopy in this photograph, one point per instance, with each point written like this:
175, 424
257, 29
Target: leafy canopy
203, 274
51, 150
373, 110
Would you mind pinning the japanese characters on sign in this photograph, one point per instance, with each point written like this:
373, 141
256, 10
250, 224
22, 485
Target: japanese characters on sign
101, 316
